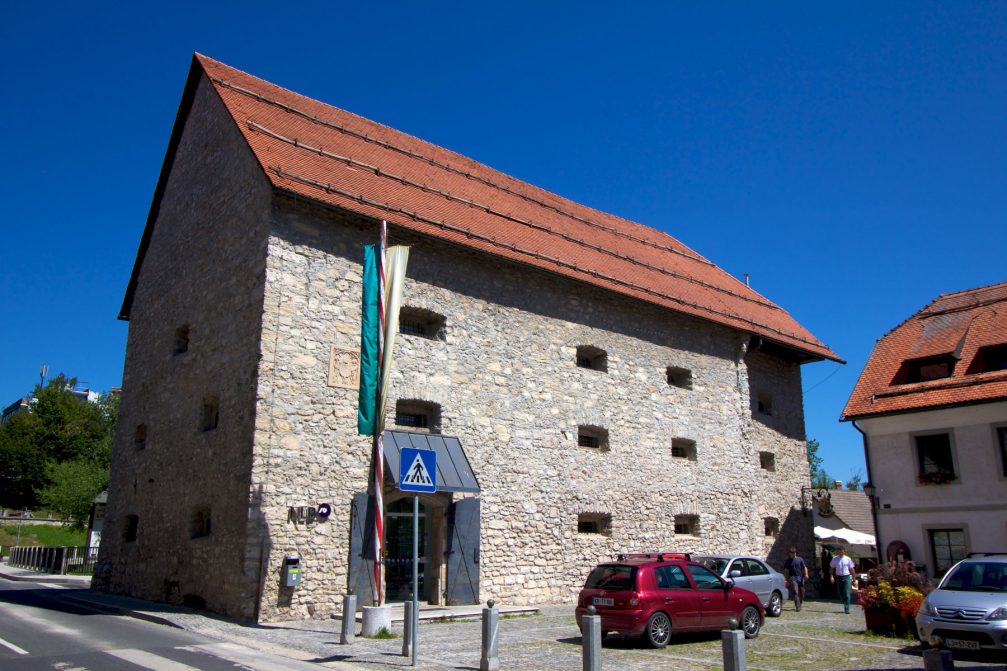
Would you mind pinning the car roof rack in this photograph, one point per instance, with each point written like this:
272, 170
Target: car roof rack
659, 556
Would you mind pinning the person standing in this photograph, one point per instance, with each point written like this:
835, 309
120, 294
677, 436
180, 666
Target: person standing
796, 573
842, 568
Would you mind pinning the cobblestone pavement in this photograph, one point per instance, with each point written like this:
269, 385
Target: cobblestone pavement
820, 637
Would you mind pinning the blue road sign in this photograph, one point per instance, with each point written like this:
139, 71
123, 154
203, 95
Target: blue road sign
417, 470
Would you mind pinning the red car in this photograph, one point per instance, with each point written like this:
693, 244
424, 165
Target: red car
653, 595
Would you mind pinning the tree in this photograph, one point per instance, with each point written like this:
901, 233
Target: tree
819, 477
856, 479
58, 428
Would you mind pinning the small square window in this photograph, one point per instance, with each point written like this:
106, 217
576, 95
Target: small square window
182, 339
594, 523
421, 415
129, 528
199, 523
686, 525
592, 358
210, 415
767, 461
1002, 444
140, 437
765, 404
594, 437
422, 323
683, 448
679, 377
771, 527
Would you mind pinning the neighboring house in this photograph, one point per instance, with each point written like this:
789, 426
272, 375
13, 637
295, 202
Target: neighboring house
931, 404
843, 517
20, 405
594, 385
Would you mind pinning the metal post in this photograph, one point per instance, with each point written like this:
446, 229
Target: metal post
349, 619
733, 643
938, 660
407, 628
591, 640
490, 658
416, 575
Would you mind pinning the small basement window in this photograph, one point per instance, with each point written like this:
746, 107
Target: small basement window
767, 461
592, 358
422, 323
594, 523
592, 436
210, 415
129, 528
683, 448
686, 525
199, 522
771, 527
415, 414
679, 377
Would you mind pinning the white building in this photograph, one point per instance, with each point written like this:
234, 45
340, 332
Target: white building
931, 403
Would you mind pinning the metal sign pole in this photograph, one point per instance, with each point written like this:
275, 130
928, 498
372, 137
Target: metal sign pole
416, 575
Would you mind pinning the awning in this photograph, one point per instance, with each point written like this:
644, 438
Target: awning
847, 535
454, 474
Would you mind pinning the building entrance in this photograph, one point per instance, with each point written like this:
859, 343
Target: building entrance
399, 551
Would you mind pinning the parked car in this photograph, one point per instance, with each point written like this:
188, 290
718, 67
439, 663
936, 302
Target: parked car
752, 574
968, 610
657, 594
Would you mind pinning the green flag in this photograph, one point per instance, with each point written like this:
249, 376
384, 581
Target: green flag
370, 326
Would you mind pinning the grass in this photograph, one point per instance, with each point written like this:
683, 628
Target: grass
382, 634
45, 535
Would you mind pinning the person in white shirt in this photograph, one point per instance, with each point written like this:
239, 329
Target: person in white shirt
842, 571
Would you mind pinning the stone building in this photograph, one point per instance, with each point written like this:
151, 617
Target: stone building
609, 389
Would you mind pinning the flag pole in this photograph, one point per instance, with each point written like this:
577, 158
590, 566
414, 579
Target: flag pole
379, 425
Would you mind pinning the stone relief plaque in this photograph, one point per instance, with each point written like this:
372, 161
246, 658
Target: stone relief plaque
344, 368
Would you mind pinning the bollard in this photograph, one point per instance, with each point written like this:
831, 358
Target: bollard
591, 640
349, 619
490, 658
407, 628
938, 660
733, 643
375, 619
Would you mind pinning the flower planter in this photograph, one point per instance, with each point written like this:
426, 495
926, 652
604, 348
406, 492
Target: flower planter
888, 622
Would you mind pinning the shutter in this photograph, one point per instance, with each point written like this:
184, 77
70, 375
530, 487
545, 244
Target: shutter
361, 569
463, 553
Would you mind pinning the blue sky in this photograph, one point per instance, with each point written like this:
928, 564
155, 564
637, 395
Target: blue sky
851, 157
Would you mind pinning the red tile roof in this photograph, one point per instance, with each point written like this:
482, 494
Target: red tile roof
957, 325
334, 157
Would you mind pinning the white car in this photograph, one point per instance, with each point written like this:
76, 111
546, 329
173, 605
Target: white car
751, 574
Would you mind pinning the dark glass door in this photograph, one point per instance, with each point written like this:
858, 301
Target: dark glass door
399, 551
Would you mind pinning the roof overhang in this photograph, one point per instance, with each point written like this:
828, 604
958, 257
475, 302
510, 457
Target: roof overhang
454, 473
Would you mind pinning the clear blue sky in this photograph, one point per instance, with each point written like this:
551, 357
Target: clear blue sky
851, 157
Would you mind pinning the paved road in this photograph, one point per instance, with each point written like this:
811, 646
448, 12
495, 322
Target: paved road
44, 627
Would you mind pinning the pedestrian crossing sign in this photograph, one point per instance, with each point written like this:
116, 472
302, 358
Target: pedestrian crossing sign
417, 470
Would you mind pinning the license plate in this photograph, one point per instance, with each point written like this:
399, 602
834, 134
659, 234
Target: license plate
961, 644
603, 601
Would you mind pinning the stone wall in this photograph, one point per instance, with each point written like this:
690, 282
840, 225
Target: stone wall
204, 269
504, 376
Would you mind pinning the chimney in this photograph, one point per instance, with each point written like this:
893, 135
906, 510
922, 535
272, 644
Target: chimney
838, 484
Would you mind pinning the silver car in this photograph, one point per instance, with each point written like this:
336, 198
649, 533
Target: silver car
968, 610
752, 574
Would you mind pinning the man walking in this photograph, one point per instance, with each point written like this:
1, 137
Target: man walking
842, 568
796, 573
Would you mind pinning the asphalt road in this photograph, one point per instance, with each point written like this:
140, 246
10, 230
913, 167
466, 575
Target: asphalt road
42, 627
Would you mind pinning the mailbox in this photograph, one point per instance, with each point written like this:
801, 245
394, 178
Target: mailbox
291, 571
